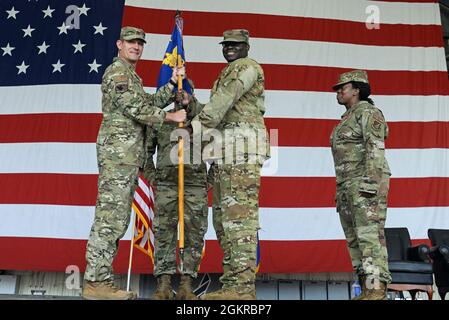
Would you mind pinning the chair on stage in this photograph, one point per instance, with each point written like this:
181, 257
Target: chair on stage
410, 266
439, 253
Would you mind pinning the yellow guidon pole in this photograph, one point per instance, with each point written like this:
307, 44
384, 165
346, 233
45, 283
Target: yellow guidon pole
180, 180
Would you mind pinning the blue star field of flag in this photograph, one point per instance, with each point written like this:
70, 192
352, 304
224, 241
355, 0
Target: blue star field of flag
51, 42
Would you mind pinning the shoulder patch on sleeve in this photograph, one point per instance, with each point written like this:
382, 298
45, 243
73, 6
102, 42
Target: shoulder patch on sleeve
376, 125
378, 121
121, 83
120, 78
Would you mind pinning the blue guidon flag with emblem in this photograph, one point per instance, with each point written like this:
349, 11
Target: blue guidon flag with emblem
175, 49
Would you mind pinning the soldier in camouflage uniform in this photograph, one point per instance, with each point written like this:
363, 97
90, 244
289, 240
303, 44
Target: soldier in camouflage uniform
126, 110
363, 175
166, 217
234, 117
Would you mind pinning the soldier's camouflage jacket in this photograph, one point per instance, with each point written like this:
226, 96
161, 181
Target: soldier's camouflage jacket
127, 108
358, 147
236, 103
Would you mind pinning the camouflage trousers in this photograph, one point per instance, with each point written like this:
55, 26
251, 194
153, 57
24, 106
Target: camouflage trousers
165, 228
236, 221
116, 185
363, 222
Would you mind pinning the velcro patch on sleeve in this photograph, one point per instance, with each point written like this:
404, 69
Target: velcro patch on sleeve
376, 125
121, 83
378, 122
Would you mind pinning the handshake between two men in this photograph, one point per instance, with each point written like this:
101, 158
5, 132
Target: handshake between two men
181, 98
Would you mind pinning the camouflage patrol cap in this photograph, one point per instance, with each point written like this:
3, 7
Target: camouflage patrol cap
236, 35
354, 75
131, 33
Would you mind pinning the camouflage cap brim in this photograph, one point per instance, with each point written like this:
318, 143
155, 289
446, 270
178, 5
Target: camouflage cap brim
132, 33
236, 35
354, 75
134, 37
233, 40
337, 86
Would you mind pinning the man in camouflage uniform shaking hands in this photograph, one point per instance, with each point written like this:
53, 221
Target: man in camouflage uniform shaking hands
234, 119
363, 176
127, 109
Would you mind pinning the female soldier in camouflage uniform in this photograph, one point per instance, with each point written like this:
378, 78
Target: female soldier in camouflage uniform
363, 175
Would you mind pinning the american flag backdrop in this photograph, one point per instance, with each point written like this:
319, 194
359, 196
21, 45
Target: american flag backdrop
50, 112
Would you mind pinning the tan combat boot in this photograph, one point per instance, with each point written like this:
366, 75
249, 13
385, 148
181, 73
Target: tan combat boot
362, 281
185, 291
105, 290
163, 289
376, 294
228, 294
